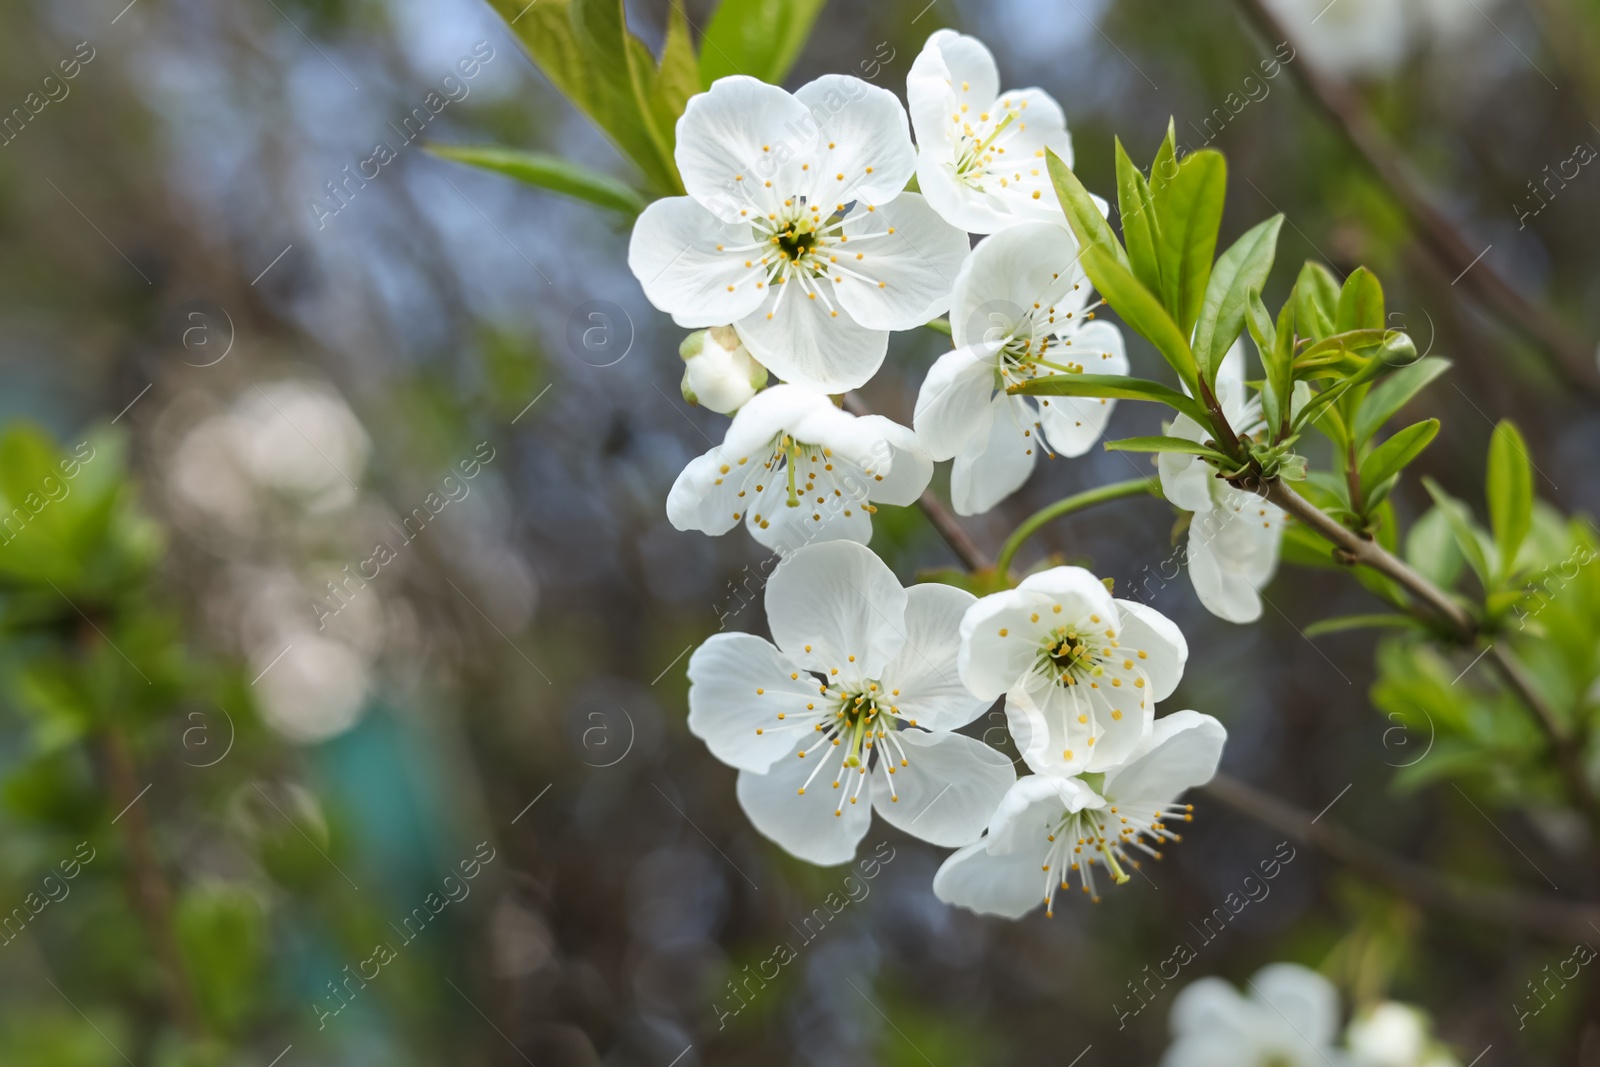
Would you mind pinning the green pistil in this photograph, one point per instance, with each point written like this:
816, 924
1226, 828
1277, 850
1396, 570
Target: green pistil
792, 451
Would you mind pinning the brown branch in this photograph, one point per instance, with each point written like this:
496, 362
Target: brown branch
1356, 549
1554, 919
1368, 553
961, 543
1572, 357
151, 893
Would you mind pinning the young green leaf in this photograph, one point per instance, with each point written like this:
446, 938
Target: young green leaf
1189, 215
1510, 492
1360, 303
1379, 621
1389, 397
547, 172
1395, 454
1140, 231
1140, 309
583, 47
1166, 444
1316, 301
761, 38
1083, 214
1265, 336
1114, 386
1469, 539
1431, 549
1242, 268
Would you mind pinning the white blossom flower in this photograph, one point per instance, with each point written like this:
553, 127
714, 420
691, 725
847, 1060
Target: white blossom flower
795, 229
797, 470
1390, 1034
1081, 671
1054, 825
719, 373
1289, 1019
1020, 310
851, 709
981, 152
1354, 38
1234, 536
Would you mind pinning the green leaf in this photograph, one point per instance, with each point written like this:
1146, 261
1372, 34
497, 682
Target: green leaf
1389, 397
1431, 549
1360, 303
1510, 492
1166, 444
222, 936
1189, 215
1140, 309
547, 172
1083, 214
1391, 457
1467, 534
1380, 620
761, 38
1240, 269
1316, 301
1140, 230
1115, 386
585, 49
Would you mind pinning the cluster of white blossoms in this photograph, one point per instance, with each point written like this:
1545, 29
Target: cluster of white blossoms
1290, 1018
797, 251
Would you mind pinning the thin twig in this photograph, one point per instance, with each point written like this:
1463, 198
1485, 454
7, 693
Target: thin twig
961, 543
1356, 549
1573, 358
1551, 918
1369, 553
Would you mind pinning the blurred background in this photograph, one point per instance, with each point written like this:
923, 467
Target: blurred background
343, 664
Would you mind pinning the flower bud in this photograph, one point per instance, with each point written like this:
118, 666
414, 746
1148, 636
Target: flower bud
720, 374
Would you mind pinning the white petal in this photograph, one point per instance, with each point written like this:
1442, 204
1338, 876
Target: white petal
1077, 590
1010, 272
898, 469
739, 684
1044, 722
801, 339
947, 789
1030, 810
674, 254
981, 479
841, 601
953, 410
864, 152
1307, 1001
770, 413
785, 530
1072, 424
992, 662
1146, 630
968, 64
821, 826
705, 497
902, 260
1233, 553
738, 136
1009, 885
1182, 752
930, 690
1186, 480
